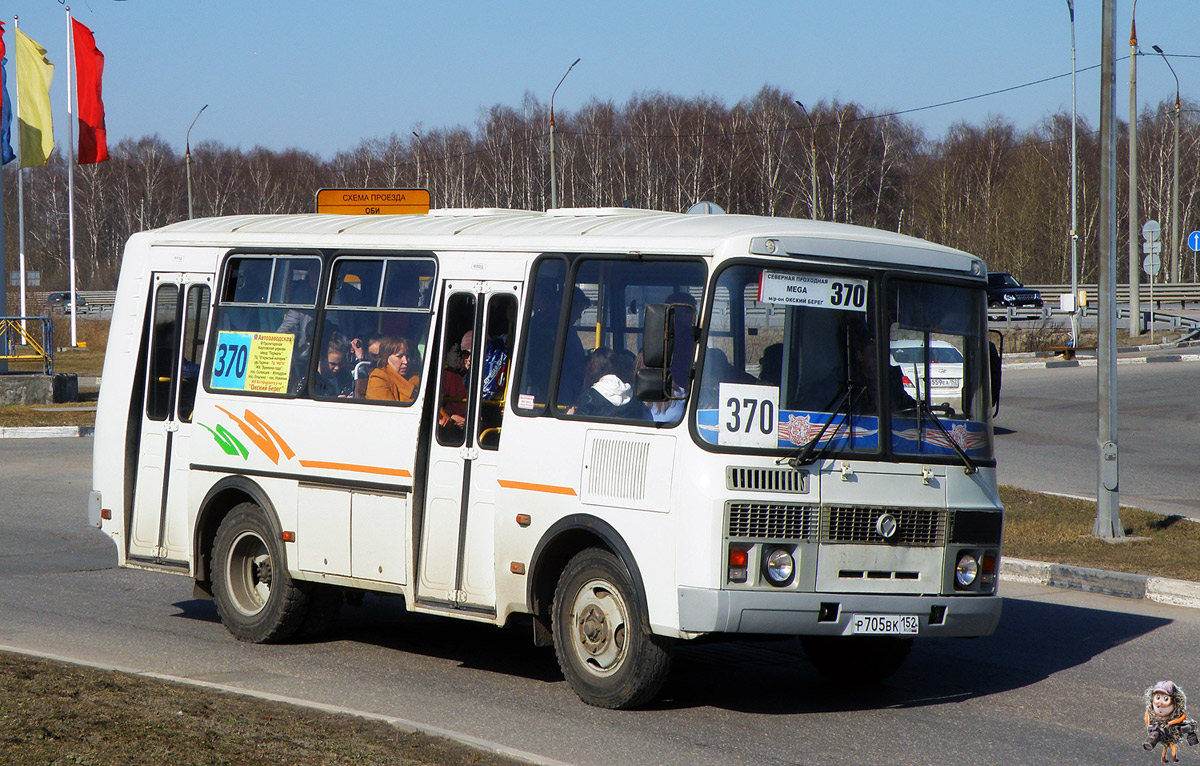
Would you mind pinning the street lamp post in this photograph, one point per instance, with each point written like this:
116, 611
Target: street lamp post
1074, 176
188, 157
1175, 183
812, 156
553, 181
1135, 298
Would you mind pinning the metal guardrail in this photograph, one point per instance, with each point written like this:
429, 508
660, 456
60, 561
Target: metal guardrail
20, 342
1184, 293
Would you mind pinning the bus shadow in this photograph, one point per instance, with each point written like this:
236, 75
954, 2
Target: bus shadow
776, 678
769, 676
382, 621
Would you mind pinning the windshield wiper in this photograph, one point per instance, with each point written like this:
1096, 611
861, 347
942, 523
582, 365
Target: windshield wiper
804, 453
924, 408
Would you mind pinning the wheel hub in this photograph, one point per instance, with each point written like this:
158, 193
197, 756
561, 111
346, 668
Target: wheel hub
594, 632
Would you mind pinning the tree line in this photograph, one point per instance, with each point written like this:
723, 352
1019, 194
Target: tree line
992, 189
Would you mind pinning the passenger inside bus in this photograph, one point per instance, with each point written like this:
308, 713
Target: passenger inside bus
452, 410
333, 369
608, 387
396, 376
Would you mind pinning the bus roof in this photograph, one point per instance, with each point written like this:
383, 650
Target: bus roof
568, 229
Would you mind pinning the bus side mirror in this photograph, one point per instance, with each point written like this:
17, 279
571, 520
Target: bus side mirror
658, 335
995, 364
652, 385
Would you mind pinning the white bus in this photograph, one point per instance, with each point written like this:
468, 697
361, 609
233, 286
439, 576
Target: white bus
635, 428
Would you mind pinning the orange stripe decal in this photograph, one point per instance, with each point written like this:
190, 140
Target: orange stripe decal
356, 468
552, 489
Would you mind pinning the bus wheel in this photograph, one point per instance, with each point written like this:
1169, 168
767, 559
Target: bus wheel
856, 659
609, 658
257, 600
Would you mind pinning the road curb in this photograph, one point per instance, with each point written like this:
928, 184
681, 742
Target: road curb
1159, 589
45, 432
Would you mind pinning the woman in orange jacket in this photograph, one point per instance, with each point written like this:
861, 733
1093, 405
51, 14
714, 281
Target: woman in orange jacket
391, 379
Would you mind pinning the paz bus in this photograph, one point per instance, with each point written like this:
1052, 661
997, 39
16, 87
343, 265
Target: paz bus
630, 428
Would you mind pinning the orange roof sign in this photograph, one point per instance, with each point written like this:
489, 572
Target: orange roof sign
373, 201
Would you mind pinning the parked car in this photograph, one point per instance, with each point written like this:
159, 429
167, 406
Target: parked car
1004, 291
62, 302
945, 370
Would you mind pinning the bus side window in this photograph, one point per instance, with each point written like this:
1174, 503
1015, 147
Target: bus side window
267, 305
374, 302
496, 351
195, 321
454, 386
537, 358
162, 352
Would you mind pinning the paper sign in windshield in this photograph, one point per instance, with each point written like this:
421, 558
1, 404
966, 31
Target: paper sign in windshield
253, 361
816, 290
749, 415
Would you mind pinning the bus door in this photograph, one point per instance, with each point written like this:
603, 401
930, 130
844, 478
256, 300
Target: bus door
456, 566
179, 309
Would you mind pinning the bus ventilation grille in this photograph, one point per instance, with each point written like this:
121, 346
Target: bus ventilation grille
618, 469
774, 521
766, 479
914, 526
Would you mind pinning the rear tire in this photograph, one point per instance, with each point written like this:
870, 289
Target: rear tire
856, 659
257, 600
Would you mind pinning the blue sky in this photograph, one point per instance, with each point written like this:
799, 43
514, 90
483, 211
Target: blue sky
323, 76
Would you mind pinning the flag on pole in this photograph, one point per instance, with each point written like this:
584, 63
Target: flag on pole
6, 150
35, 129
89, 69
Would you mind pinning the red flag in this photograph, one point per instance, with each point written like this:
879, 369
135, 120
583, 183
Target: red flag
89, 68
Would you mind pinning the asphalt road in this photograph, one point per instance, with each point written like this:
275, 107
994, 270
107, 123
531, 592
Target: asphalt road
1061, 680
1046, 433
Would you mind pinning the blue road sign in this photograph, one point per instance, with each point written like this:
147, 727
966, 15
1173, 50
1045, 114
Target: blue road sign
1194, 241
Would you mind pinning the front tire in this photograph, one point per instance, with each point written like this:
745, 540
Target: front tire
256, 599
609, 658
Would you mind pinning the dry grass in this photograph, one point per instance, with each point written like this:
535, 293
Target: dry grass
54, 713
20, 415
1058, 529
1047, 334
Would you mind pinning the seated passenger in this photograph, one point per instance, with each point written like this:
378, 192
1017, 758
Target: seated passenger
333, 369
607, 391
395, 377
671, 410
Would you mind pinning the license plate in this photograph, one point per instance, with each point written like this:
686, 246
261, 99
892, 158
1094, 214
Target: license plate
945, 382
884, 624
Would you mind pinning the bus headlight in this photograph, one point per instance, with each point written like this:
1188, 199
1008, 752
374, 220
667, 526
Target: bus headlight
779, 566
966, 571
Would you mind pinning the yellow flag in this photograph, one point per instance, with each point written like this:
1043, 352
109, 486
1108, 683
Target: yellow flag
34, 73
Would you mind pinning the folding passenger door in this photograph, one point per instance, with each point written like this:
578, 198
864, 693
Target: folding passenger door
178, 322
456, 564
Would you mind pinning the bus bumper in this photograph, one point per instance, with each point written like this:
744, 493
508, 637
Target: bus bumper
704, 610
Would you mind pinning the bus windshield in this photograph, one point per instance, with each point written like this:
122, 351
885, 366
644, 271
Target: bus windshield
793, 361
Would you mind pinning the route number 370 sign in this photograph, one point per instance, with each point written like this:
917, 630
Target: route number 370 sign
749, 415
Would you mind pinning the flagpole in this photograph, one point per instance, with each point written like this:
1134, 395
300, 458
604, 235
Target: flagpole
71, 172
16, 112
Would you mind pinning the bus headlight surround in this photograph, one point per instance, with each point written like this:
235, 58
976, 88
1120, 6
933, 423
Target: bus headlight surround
779, 567
966, 570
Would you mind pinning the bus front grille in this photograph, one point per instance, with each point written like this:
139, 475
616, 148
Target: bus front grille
855, 524
773, 521
766, 479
